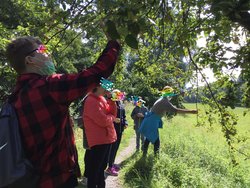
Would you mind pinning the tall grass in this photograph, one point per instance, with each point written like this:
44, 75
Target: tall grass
191, 156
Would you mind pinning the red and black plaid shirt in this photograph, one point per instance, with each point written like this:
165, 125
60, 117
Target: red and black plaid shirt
42, 107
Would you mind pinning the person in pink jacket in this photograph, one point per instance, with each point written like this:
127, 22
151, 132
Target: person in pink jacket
99, 115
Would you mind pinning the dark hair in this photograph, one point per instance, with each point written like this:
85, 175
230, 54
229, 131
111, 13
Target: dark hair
17, 50
96, 87
94, 90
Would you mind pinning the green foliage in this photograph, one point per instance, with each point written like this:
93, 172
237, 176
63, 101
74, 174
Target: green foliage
189, 157
131, 41
7, 80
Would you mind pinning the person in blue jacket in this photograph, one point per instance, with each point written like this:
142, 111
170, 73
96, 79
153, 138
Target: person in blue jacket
152, 121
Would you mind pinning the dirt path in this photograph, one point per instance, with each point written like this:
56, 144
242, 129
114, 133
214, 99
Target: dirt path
112, 181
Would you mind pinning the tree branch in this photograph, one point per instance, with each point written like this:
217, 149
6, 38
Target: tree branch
70, 23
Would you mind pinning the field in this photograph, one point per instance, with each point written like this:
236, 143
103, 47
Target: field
190, 156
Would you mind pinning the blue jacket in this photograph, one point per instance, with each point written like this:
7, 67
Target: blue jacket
149, 126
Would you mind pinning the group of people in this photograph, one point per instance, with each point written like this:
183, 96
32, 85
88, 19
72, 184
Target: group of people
41, 99
147, 123
104, 121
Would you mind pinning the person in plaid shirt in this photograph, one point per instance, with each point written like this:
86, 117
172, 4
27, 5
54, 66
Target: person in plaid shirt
42, 102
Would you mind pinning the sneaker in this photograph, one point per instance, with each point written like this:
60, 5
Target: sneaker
112, 171
116, 167
83, 181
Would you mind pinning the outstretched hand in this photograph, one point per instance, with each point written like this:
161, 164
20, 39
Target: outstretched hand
140, 115
117, 120
194, 111
102, 25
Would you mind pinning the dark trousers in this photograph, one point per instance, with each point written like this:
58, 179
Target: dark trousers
70, 183
156, 146
113, 149
96, 160
139, 137
86, 163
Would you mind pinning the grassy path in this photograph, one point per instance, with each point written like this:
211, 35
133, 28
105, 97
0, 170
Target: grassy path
113, 181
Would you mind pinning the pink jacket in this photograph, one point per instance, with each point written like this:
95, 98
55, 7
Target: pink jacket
98, 116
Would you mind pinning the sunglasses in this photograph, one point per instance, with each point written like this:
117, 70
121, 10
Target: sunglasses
42, 49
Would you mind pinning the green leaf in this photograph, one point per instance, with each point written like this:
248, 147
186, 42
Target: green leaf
237, 15
123, 31
221, 5
122, 12
131, 41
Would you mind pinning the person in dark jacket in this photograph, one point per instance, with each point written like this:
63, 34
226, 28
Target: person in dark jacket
137, 115
119, 128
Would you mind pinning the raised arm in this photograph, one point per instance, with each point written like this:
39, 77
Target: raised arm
64, 88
